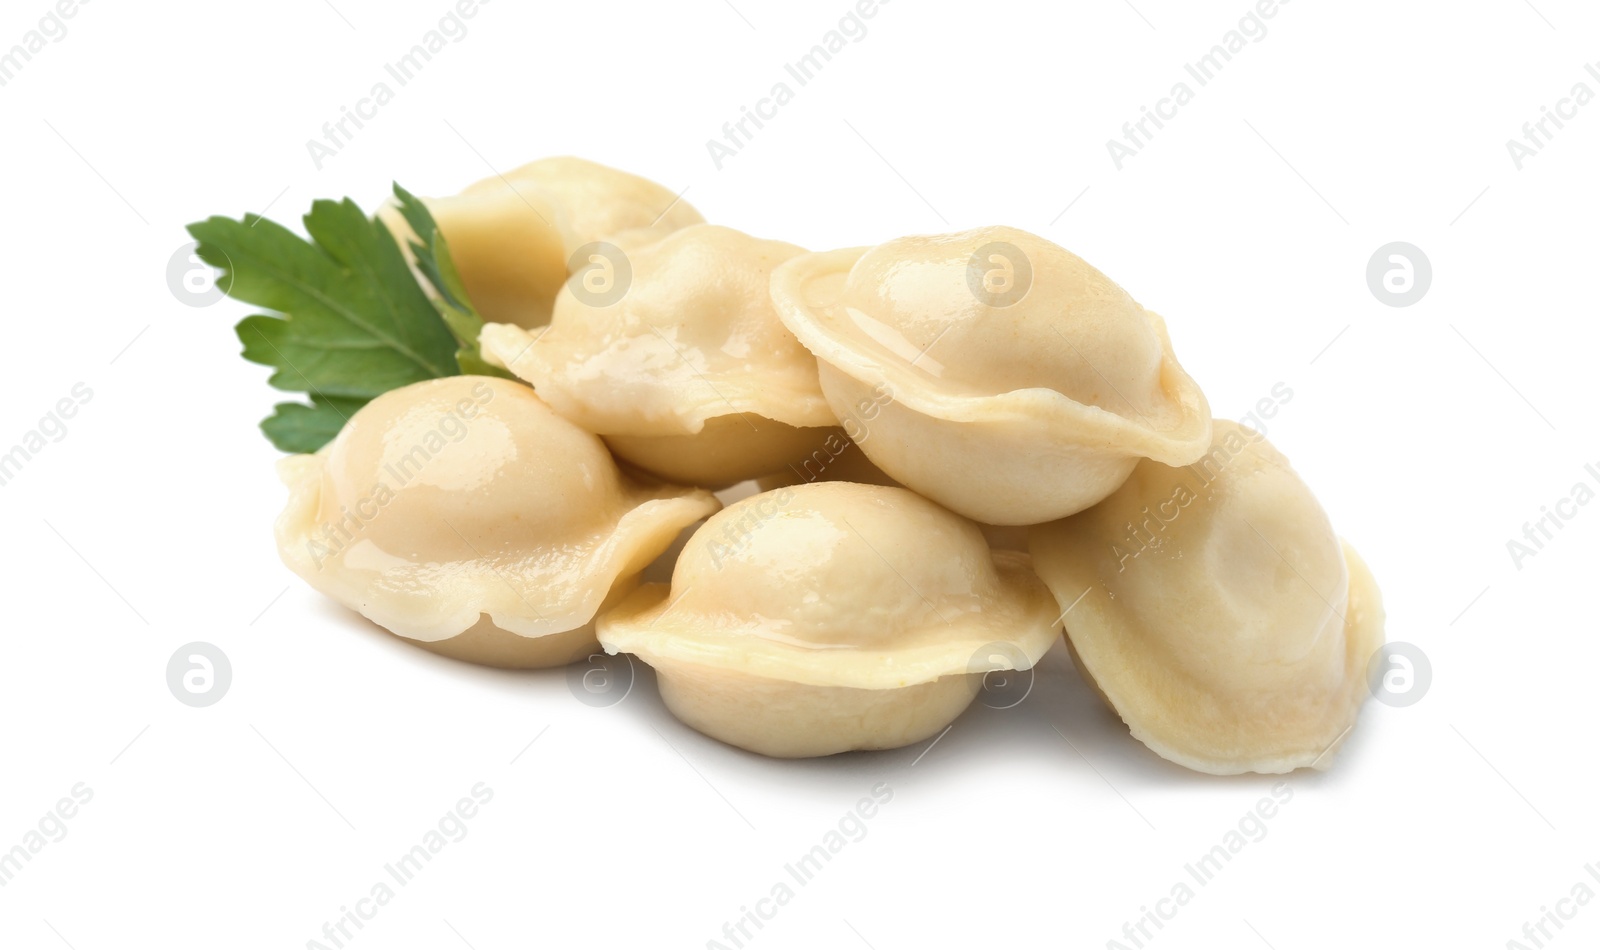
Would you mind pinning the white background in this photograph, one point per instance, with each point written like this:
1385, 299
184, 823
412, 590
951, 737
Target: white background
1431, 433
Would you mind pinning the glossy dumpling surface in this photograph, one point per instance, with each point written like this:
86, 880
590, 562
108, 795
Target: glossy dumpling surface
454, 500
593, 201
1009, 408
837, 584
831, 617
690, 359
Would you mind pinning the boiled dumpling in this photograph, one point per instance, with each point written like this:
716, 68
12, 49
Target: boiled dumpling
464, 515
513, 236
1216, 611
832, 616
689, 374
1022, 384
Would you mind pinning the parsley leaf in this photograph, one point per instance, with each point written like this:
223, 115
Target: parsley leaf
348, 320
297, 427
434, 262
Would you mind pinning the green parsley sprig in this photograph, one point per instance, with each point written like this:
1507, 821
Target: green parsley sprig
348, 320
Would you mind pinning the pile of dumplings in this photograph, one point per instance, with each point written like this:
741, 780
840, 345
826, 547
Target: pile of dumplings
863, 478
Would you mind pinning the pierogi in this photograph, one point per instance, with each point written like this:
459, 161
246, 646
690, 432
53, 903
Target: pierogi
1216, 611
1022, 384
689, 374
464, 515
832, 616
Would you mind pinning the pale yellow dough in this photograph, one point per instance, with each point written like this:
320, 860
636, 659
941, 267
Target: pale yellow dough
839, 459
832, 616
512, 236
1216, 610
689, 374
465, 515
1010, 415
